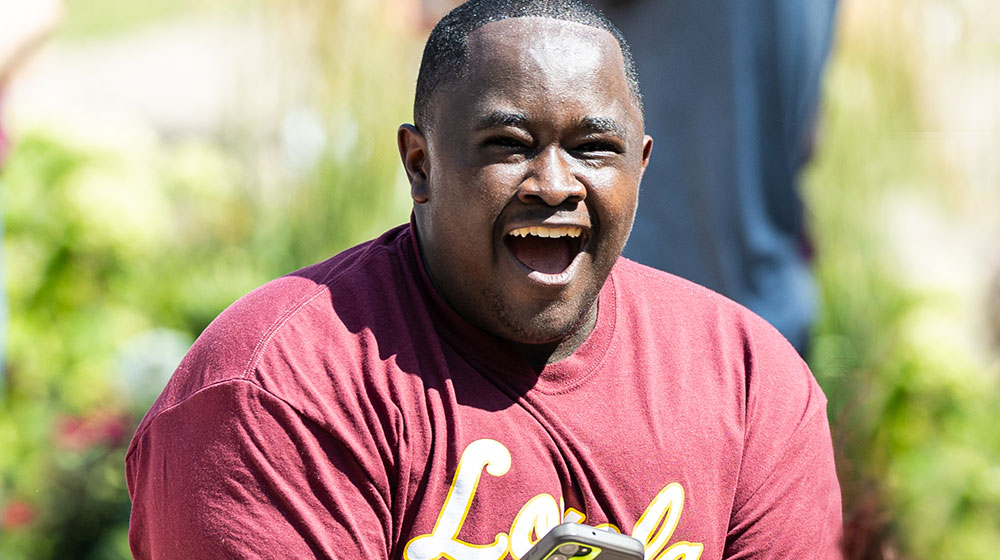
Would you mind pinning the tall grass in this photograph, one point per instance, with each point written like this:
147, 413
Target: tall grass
912, 406
118, 253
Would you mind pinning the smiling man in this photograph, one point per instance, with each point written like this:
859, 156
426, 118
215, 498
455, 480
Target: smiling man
525, 174
459, 386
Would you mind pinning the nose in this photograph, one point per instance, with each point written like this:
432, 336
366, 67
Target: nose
551, 180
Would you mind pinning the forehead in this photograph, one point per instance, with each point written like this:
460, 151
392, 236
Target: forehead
542, 60
552, 44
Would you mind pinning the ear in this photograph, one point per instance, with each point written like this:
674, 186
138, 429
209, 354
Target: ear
647, 149
413, 151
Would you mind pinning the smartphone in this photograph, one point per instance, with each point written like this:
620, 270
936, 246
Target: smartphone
572, 541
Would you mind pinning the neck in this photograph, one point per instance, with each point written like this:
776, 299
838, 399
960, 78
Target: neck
540, 355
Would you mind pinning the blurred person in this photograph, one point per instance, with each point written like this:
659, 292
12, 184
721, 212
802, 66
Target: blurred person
731, 91
458, 386
24, 25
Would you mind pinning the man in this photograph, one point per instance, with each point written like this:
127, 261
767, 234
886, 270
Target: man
459, 386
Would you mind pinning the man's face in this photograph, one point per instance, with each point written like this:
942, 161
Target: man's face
526, 177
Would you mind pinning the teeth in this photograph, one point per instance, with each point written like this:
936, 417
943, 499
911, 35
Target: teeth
543, 231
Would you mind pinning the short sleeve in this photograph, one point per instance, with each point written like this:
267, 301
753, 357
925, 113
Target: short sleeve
788, 499
232, 471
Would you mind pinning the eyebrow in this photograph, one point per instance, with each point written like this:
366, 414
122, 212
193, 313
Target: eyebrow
498, 118
602, 125
594, 125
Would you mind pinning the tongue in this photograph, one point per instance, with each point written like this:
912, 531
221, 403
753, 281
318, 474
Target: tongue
544, 254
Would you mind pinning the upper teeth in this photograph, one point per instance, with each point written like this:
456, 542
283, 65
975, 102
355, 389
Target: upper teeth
543, 231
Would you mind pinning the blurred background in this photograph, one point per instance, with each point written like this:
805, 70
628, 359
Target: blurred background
168, 156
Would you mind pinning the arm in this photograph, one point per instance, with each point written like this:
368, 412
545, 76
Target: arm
235, 472
788, 499
23, 26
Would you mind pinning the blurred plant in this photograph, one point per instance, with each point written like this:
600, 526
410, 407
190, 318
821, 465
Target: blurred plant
89, 234
120, 248
912, 408
342, 182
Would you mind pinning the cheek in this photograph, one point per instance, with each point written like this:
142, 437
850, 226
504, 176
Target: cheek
465, 214
618, 192
615, 204
476, 200
496, 184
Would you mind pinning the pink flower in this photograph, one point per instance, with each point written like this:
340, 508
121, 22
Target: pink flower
80, 433
16, 514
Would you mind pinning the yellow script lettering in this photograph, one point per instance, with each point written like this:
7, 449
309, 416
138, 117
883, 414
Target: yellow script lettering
443, 540
536, 518
657, 524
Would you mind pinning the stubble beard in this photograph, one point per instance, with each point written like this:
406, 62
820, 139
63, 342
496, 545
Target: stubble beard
537, 329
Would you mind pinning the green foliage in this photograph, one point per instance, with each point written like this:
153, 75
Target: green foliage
912, 408
90, 233
120, 247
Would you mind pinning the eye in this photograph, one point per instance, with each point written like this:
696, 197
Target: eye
504, 142
595, 148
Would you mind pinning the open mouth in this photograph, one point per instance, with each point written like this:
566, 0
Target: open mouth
546, 249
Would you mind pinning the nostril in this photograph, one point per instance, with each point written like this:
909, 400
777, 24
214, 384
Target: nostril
552, 193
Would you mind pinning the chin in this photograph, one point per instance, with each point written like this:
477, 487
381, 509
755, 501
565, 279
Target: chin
553, 323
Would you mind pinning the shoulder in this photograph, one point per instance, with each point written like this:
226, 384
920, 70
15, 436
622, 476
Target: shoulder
682, 304
288, 315
699, 327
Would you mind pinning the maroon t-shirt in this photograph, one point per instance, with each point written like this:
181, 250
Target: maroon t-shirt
345, 411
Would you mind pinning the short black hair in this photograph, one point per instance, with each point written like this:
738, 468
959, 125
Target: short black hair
446, 52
